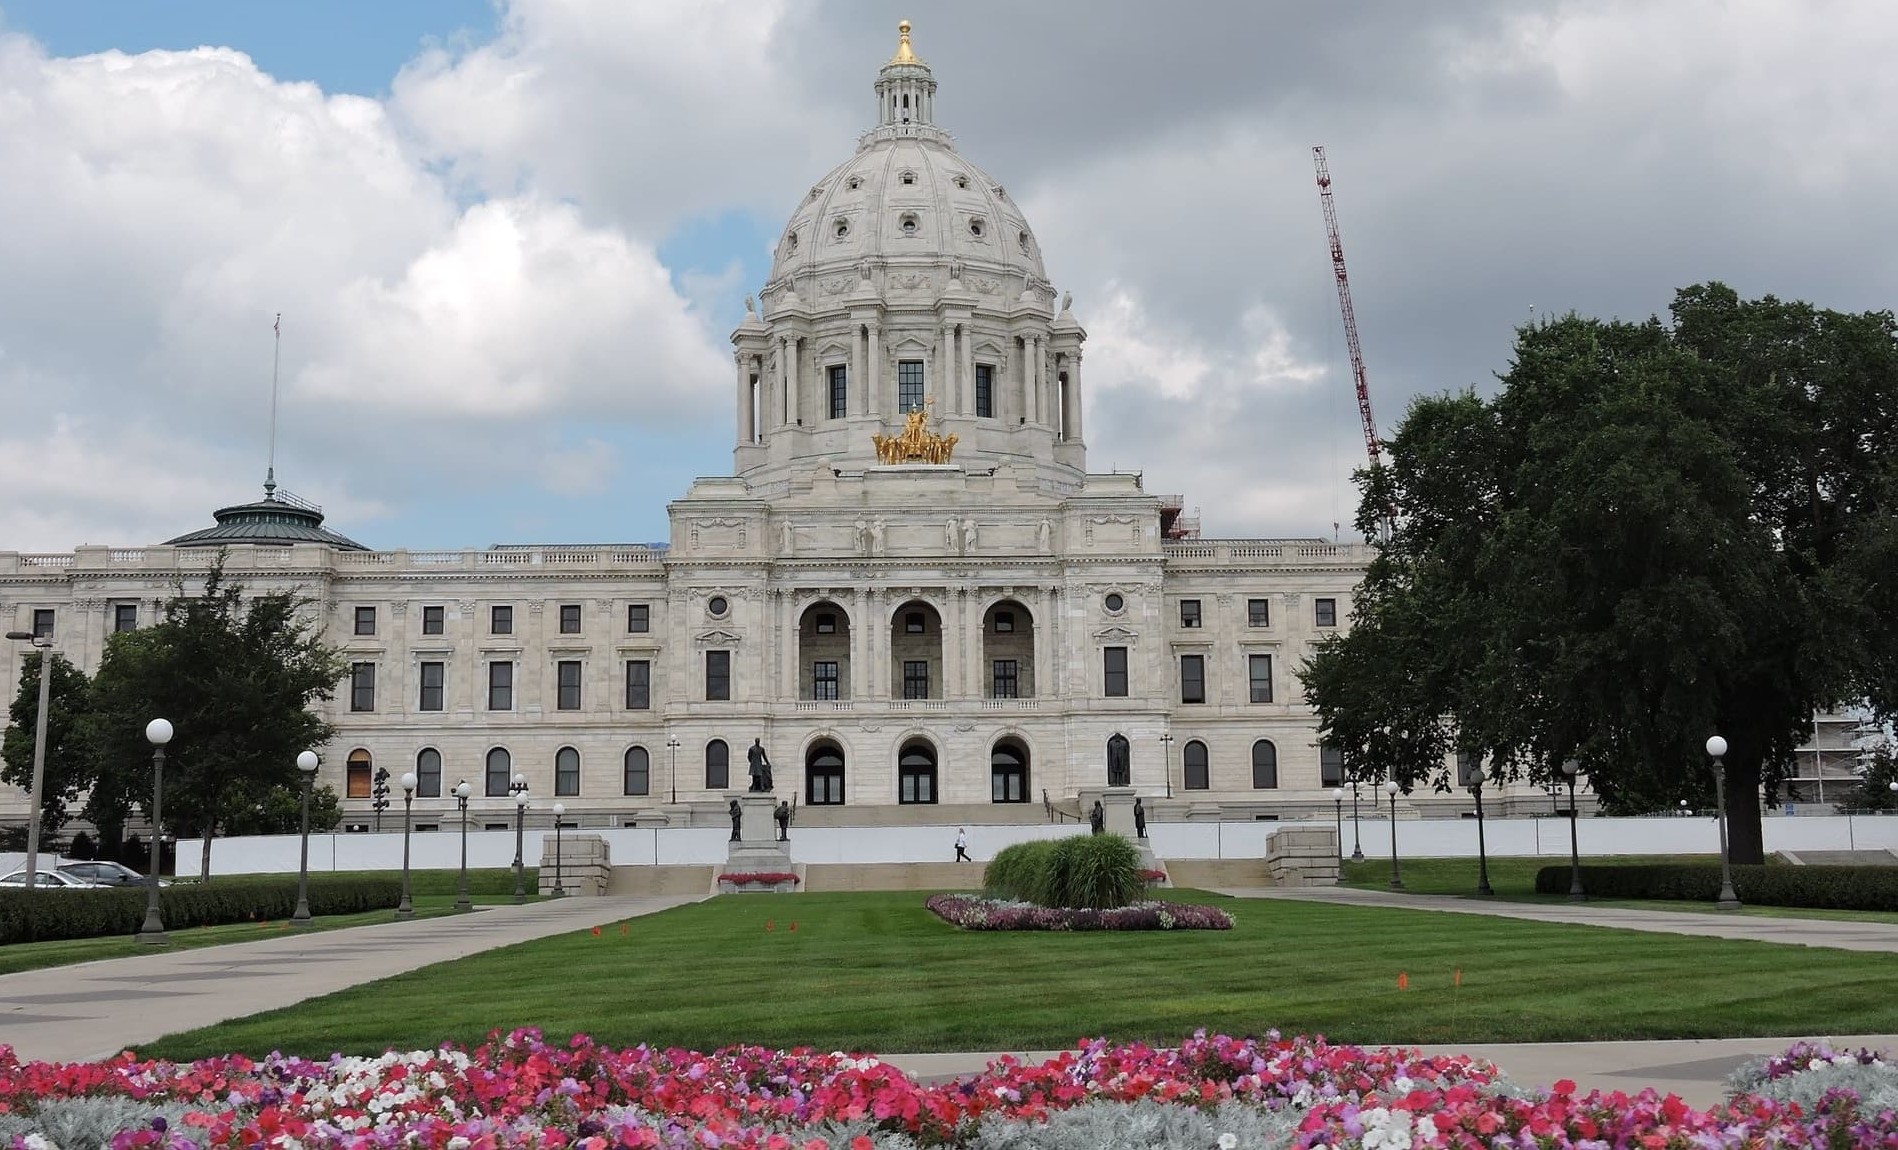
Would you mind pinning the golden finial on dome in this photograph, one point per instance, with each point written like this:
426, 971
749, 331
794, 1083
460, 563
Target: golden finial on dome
903, 53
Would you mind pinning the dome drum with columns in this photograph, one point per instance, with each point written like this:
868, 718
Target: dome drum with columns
910, 587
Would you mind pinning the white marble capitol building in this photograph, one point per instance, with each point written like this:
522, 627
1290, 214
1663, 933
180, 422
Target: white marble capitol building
911, 587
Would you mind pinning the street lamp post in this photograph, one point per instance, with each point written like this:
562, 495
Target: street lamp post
1357, 828
406, 908
1337, 811
462, 791
518, 789
1391, 789
1166, 759
44, 643
560, 810
306, 765
1716, 749
157, 733
1570, 768
672, 766
1482, 849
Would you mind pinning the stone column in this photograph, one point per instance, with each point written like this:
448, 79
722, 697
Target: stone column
859, 382
1074, 396
975, 678
954, 657
946, 371
860, 632
1044, 642
879, 646
780, 386
793, 401
968, 370
787, 631
873, 392
1037, 369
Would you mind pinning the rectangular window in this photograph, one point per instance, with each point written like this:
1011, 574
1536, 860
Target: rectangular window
365, 620
1004, 622
915, 679
638, 618
826, 623
1114, 672
362, 686
638, 684
501, 686
839, 392
1330, 767
568, 671
1005, 681
43, 623
1325, 612
984, 391
1258, 613
432, 620
125, 617
1259, 675
824, 679
567, 772
1192, 678
718, 675
570, 618
1189, 612
432, 677
501, 620
909, 385
913, 623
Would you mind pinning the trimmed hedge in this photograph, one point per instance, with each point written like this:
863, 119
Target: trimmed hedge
1834, 887
34, 916
1094, 871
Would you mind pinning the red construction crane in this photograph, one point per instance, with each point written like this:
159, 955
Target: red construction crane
1372, 446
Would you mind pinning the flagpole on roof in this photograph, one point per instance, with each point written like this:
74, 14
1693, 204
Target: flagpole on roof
276, 352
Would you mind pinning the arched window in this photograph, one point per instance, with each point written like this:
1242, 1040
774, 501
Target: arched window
1198, 775
356, 777
1265, 765
718, 761
500, 763
566, 771
1008, 772
916, 773
428, 773
638, 771
824, 776
1120, 771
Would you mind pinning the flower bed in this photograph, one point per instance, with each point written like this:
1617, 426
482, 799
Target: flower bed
1285, 1094
1152, 876
973, 913
756, 880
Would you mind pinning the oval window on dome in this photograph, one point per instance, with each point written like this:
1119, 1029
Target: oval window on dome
853, 183
962, 181
978, 228
840, 227
909, 223
1022, 239
790, 242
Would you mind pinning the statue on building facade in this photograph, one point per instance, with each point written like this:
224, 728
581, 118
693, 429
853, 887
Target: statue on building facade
1044, 535
789, 538
1119, 766
1140, 820
1097, 818
916, 443
759, 765
783, 815
738, 818
861, 534
968, 535
950, 536
876, 536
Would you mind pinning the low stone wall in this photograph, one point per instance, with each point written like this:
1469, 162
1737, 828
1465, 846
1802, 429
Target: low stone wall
1303, 856
583, 865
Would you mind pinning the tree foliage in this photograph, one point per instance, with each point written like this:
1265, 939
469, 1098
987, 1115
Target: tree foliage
66, 775
1651, 534
236, 676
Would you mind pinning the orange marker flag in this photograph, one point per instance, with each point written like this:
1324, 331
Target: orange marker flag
793, 924
1403, 980
1459, 976
596, 932
770, 925
627, 928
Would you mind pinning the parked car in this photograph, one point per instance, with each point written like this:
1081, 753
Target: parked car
47, 880
106, 874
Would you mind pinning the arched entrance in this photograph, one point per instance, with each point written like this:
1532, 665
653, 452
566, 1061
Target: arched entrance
824, 775
823, 652
1008, 772
916, 652
916, 773
1008, 651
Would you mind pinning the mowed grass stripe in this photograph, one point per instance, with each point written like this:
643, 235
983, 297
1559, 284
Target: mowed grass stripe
879, 972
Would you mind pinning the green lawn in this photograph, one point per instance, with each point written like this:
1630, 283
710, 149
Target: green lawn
1514, 880
879, 972
433, 893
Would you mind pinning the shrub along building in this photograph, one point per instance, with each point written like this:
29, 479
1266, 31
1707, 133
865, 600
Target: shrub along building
911, 587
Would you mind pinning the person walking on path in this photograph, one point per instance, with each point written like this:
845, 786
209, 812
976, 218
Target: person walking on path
962, 845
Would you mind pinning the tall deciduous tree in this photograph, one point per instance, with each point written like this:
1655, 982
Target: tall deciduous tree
236, 676
66, 776
1653, 533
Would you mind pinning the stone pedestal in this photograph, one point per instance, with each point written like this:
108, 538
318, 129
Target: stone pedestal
1118, 804
757, 848
584, 864
1303, 855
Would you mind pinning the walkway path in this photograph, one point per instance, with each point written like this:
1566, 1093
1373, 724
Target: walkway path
94, 1010
1841, 934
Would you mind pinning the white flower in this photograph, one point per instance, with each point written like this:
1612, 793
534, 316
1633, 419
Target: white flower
1228, 1141
38, 1142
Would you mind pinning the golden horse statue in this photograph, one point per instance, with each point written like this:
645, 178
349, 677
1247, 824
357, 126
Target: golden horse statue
916, 444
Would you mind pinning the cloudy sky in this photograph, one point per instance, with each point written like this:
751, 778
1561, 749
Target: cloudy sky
509, 242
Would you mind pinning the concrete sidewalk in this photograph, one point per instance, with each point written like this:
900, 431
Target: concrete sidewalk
1839, 934
93, 1010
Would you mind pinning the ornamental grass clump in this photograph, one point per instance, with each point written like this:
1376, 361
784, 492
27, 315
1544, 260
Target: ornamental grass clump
1021, 871
1095, 872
